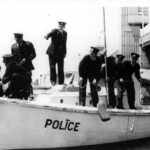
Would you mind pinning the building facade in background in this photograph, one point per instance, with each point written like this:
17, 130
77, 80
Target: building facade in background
145, 47
132, 20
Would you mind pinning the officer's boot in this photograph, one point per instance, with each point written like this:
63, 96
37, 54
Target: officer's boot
82, 101
120, 104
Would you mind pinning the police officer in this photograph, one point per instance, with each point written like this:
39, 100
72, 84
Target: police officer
111, 76
16, 75
57, 52
129, 68
24, 53
89, 69
119, 80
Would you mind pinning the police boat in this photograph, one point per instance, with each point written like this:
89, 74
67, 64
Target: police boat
54, 119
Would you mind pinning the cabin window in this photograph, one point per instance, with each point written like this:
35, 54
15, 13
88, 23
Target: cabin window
145, 59
145, 92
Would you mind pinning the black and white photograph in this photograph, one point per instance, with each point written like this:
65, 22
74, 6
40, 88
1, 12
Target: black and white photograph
75, 75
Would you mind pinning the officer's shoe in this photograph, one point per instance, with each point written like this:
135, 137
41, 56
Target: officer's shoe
12, 96
133, 107
120, 107
138, 107
111, 107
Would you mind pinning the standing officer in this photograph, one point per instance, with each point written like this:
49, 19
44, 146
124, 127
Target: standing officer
129, 68
17, 77
111, 76
89, 69
119, 80
24, 53
57, 52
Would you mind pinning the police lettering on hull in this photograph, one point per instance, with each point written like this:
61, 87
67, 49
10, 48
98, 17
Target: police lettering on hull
62, 125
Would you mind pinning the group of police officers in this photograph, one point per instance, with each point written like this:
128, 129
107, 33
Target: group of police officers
92, 67
19, 68
119, 71
19, 63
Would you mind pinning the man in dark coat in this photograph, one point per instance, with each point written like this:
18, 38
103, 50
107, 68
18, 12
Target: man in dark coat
119, 80
111, 76
129, 68
57, 52
17, 77
89, 69
24, 53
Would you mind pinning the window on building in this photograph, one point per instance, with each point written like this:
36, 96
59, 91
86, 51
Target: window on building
140, 10
143, 11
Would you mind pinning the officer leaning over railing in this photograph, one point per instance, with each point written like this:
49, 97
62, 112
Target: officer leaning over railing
89, 69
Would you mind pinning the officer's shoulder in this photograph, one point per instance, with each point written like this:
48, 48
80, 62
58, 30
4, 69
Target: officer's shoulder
13, 45
28, 43
138, 65
86, 56
12, 64
54, 30
65, 31
126, 62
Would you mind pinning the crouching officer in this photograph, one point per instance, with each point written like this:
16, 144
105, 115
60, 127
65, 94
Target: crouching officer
17, 78
89, 69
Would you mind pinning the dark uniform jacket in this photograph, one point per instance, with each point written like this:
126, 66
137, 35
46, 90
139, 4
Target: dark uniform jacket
119, 70
57, 48
13, 67
129, 69
111, 69
89, 68
24, 50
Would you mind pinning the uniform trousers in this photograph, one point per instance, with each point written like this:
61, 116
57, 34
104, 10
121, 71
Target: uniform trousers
112, 98
82, 92
120, 91
129, 86
60, 64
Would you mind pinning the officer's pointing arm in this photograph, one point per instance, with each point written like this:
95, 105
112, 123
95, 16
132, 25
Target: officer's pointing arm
49, 34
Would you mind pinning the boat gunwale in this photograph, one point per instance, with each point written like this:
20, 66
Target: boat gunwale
77, 109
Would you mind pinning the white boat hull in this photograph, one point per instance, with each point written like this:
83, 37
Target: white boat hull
27, 125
